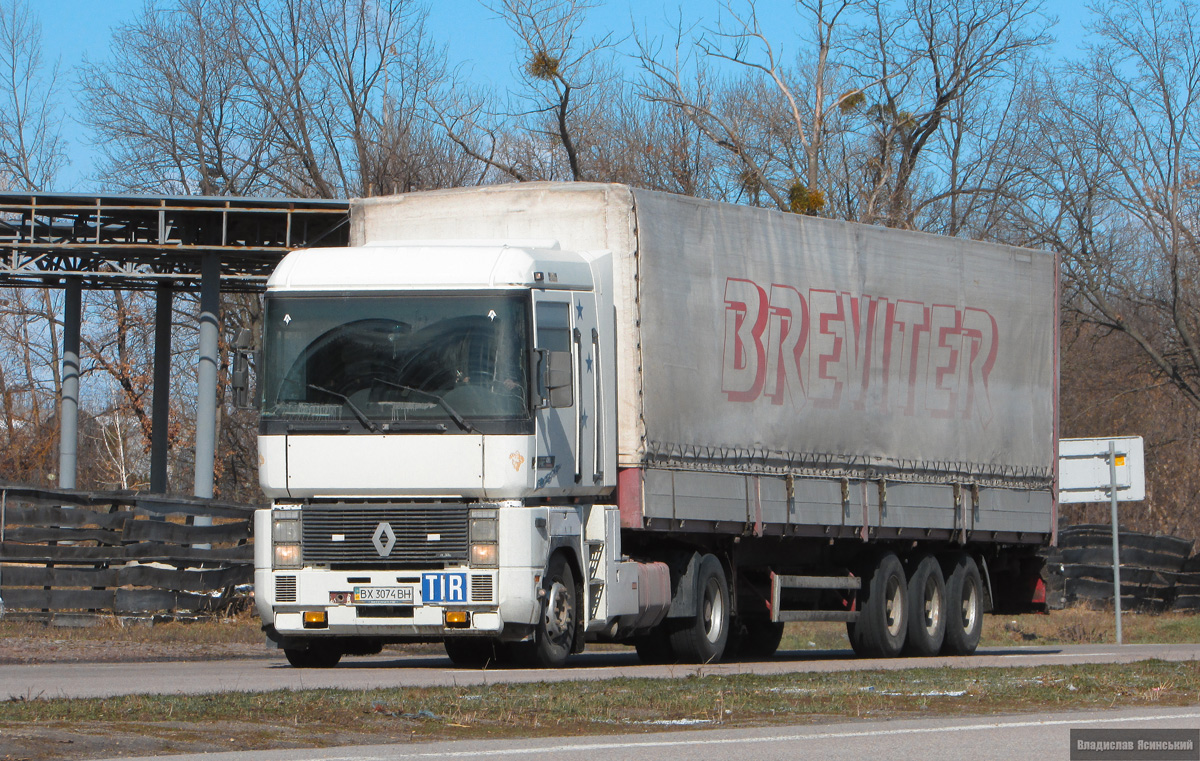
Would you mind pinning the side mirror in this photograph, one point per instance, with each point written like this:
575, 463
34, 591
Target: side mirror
556, 384
240, 382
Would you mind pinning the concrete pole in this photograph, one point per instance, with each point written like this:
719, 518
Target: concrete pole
206, 386
160, 412
68, 436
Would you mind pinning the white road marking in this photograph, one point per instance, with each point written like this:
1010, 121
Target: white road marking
613, 746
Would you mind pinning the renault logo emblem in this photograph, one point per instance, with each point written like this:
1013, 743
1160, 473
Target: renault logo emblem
384, 539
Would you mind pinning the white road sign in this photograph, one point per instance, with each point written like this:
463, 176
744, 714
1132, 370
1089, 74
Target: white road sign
1083, 470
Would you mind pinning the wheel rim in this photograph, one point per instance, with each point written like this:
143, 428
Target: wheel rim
558, 610
970, 609
713, 611
894, 607
932, 605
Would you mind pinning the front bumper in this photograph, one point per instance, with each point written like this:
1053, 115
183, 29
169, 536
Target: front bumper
285, 596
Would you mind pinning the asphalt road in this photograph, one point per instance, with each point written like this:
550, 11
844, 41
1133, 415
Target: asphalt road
76, 680
1046, 736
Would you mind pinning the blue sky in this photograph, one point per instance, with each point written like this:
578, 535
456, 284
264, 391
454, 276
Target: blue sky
474, 36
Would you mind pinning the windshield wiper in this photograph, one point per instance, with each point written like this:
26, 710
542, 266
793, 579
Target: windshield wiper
457, 418
362, 418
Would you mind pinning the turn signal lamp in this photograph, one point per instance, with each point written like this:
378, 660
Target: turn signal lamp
315, 619
456, 618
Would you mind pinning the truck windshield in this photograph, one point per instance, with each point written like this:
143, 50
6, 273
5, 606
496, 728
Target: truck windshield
396, 363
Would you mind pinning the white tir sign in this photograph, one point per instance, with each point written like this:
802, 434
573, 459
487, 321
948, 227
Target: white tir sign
1084, 475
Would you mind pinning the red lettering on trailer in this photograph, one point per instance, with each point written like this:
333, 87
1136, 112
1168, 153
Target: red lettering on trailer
840, 350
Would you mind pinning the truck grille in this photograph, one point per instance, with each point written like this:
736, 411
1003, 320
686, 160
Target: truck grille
345, 536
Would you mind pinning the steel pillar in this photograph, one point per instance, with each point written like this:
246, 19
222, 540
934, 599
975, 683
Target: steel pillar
206, 386
160, 412
68, 436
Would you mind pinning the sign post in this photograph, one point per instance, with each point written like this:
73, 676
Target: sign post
1082, 478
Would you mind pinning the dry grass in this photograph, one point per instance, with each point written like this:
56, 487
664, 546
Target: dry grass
1074, 626
45, 730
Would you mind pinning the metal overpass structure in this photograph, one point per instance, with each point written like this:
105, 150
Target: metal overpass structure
167, 245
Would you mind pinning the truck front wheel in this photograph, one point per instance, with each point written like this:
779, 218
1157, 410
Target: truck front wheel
554, 634
701, 638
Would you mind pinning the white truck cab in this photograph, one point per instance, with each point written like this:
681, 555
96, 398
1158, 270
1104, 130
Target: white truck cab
432, 433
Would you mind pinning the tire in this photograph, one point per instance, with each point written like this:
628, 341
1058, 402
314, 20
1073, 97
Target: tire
882, 625
654, 647
313, 657
926, 609
554, 635
702, 637
760, 640
964, 607
474, 652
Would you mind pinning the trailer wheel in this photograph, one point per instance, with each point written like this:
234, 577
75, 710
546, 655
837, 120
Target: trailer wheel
554, 635
701, 638
882, 611
314, 657
927, 608
473, 652
964, 606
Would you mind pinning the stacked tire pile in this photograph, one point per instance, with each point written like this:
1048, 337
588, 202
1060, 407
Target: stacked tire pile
1158, 572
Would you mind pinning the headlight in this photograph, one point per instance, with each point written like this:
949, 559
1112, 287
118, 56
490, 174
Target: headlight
484, 532
483, 555
287, 556
285, 536
286, 530
483, 529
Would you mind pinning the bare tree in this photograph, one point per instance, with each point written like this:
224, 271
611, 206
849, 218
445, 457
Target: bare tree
546, 128
31, 143
934, 62
301, 97
1121, 147
774, 121
173, 110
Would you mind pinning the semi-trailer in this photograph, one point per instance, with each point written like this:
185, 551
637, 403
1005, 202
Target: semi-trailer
519, 418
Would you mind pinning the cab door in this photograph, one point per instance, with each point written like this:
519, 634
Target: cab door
556, 379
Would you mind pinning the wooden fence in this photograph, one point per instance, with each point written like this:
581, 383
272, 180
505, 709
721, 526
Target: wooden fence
1158, 572
122, 553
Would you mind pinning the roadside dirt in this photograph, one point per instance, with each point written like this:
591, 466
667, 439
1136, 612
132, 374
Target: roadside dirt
113, 641
22, 650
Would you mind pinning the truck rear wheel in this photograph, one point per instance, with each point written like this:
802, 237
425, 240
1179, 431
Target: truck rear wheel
927, 608
554, 635
964, 606
314, 657
701, 638
882, 623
